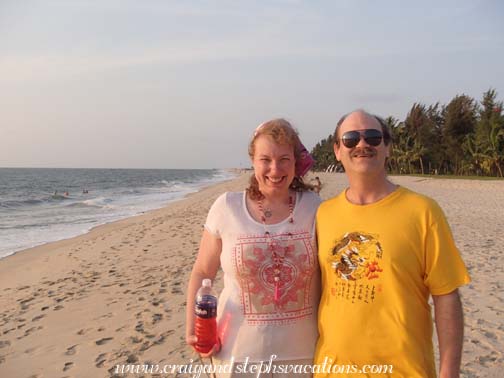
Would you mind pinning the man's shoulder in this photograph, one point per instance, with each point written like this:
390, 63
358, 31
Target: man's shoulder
420, 201
419, 205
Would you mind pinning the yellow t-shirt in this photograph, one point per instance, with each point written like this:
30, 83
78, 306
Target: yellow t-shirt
380, 262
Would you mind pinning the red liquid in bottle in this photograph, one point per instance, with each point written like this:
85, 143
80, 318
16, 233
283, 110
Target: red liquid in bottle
205, 327
206, 332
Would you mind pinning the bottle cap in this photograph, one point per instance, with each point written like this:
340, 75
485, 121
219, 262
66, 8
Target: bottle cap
207, 282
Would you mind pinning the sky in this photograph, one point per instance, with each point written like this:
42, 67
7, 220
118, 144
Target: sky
183, 84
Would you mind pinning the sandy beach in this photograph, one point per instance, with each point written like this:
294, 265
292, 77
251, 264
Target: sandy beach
116, 295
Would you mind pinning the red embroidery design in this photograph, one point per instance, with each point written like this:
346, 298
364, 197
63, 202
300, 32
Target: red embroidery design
254, 267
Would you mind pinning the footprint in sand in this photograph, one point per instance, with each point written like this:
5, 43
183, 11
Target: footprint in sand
29, 331
31, 350
160, 340
25, 303
103, 341
156, 318
8, 330
132, 358
139, 327
176, 288
67, 366
71, 350
146, 345
136, 340
100, 360
38, 317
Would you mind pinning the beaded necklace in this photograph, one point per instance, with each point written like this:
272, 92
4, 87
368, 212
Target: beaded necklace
274, 247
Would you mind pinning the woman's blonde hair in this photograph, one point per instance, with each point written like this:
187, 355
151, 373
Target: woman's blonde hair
281, 132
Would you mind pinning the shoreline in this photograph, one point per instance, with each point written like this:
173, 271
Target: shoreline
115, 295
186, 195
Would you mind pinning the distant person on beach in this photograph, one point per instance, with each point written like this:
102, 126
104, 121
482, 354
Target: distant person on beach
383, 251
317, 185
264, 240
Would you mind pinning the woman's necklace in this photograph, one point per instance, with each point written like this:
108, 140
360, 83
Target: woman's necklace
267, 213
277, 250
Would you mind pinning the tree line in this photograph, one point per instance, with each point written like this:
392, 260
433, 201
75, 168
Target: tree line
462, 138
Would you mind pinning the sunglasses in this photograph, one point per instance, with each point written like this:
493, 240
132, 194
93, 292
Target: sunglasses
373, 137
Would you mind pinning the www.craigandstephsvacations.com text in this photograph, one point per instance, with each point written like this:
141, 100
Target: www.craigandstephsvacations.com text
197, 370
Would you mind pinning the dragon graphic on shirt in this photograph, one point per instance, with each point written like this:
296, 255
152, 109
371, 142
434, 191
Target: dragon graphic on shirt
356, 256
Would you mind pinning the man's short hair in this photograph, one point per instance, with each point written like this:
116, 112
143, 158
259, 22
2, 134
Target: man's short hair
387, 137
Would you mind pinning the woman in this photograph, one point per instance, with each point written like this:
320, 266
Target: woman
263, 238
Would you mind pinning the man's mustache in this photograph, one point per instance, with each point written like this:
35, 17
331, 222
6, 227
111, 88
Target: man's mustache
364, 151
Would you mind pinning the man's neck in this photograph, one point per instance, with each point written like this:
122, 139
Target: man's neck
367, 190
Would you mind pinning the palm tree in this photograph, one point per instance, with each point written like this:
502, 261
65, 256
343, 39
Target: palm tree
417, 153
494, 154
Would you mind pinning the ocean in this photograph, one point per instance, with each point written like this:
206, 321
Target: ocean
40, 205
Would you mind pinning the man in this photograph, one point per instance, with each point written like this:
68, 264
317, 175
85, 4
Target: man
383, 250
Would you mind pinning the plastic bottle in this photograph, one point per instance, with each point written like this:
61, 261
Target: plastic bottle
205, 327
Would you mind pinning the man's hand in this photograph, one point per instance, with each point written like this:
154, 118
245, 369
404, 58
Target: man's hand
450, 330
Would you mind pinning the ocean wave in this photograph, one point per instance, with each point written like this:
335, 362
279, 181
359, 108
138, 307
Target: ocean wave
78, 205
98, 202
16, 204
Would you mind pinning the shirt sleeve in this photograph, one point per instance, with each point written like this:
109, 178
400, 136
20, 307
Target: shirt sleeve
444, 269
215, 216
